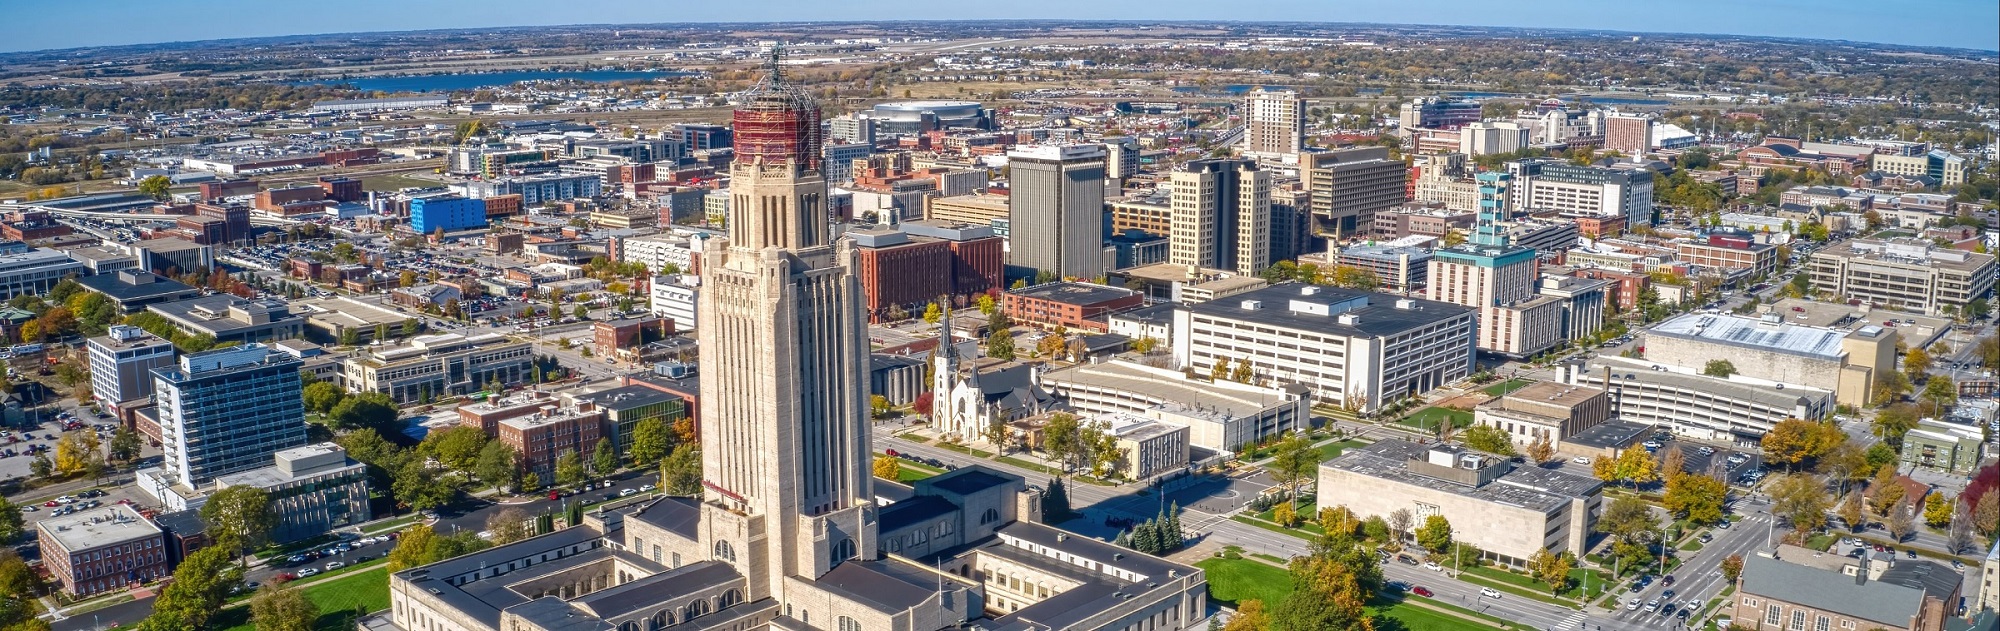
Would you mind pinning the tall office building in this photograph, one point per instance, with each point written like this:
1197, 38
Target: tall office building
228, 410
1629, 134
1486, 137
1121, 162
1274, 124
1350, 185
121, 366
785, 445
1056, 210
1221, 216
1435, 112
1490, 274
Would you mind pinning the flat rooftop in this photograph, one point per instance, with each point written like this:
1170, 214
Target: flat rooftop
1554, 393
1074, 293
1755, 333
97, 527
1223, 399
1325, 309
1532, 488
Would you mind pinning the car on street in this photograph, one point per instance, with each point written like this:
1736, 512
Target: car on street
628, 492
1433, 566
1652, 606
1422, 591
1489, 592
1631, 604
335, 566
308, 572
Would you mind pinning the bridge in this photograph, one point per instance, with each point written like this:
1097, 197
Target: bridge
255, 218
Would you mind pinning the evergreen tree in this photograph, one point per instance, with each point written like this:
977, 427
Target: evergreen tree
1175, 537
1055, 502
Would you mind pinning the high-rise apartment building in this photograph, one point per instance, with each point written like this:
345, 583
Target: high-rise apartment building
1349, 186
1221, 216
121, 365
1548, 184
228, 410
1274, 124
1628, 134
1490, 274
1056, 210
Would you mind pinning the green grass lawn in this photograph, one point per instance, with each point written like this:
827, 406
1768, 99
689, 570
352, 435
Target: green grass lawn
1505, 387
1330, 450
340, 602
1512, 583
965, 450
1232, 581
1429, 418
393, 182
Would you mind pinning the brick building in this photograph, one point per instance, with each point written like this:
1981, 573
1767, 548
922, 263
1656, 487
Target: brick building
1072, 305
341, 188
544, 436
102, 549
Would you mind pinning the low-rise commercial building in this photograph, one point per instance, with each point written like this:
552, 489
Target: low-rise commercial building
1147, 447
136, 289
1509, 512
1730, 252
1073, 305
1737, 410
35, 272
1353, 349
1903, 273
228, 318
99, 550
1846, 362
341, 318
1401, 265
313, 489
1545, 411
438, 366
1221, 416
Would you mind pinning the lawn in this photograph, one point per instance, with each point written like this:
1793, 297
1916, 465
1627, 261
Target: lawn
965, 450
340, 602
1232, 581
394, 182
1505, 387
1331, 450
1429, 418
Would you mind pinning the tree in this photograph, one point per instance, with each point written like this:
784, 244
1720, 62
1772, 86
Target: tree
11, 524
1541, 451
1628, 518
1900, 525
417, 488
1889, 492
1959, 538
1719, 368
457, 447
1243, 373
933, 313
1792, 441
125, 444
986, 304
412, 548
650, 441
278, 607
1293, 461
1890, 387
604, 458
1937, 510
41, 466
1400, 521
1698, 498
509, 525
1552, 569
1732, 567
156, 186
680, 473
1852, 510
498, 465
888, 468
1435, 534
1489, 439
1000, 345
1939, 396
1636, 466
373, 410
1286, 515
1250, 616
321, 396
239, 518
1332, 585
1916, 364
1220, 370
570, 470
1055, 502
1800, 500
200, 584
406, 279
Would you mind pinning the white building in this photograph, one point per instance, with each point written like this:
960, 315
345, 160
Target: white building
1221, 416
1275, 123
1353, 349
1737, 409
677, 297
1546, 184
1486, 137
1510, 512
121, 365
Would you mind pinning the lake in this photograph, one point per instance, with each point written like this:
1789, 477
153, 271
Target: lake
476, 80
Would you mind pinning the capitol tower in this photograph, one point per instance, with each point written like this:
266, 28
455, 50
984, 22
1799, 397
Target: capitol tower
784, 435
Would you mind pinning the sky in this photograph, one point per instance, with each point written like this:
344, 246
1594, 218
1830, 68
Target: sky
43, 24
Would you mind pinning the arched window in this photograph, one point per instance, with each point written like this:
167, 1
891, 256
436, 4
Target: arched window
629, 626
731, 598
991, 515
695, 609
843, 550
724, 552
849, 624
665, 618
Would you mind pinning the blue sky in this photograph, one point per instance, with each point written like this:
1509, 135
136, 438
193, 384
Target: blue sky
45, 24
